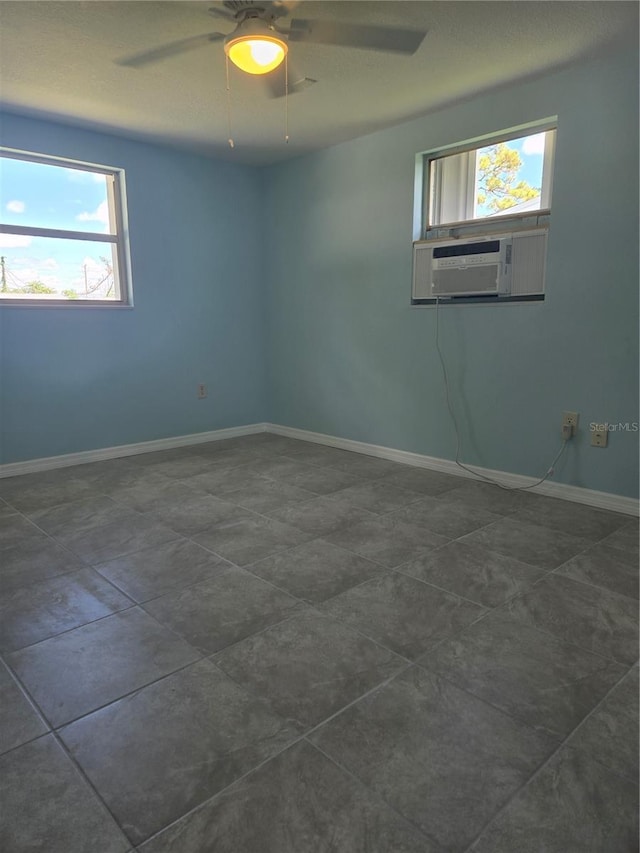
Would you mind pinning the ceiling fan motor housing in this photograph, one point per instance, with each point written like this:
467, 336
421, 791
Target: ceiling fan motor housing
240, 6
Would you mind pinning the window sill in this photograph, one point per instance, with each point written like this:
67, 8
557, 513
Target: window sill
34, 304
477, 300
489, 225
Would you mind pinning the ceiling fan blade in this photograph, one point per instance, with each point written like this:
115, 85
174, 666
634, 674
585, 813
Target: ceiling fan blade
275, 81
170, 49
368, 37
222, 13
287, 6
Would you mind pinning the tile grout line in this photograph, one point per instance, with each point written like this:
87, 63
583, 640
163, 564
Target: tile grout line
55, 542
49, 731
404, 818
410, 663
564, 743
596, 587
405, 574
488, 610
515, 717
140, 604
189, 450
305, 735
199, 806
174, 590
206, 655
322, 615
54, 728
83, 568
34, 707
298, 739
5, 651
547, 572
417, 662
317, 605
386, 568
229, 566
520, 594
185, 482
90, 785
87, 563
93, 565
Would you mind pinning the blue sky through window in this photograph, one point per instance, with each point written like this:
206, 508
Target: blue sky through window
42, 195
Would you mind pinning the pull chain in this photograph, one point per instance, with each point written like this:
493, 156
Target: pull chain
231, 142
286, 99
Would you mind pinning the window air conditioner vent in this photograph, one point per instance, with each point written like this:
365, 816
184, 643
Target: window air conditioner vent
494, 265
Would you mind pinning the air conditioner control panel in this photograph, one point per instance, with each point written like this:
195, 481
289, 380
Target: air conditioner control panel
466, 260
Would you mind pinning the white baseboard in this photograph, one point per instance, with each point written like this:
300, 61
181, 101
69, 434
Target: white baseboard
577, 494
30, 466
590, 497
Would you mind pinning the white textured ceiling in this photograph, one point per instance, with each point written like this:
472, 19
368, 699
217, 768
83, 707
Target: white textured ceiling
59, 59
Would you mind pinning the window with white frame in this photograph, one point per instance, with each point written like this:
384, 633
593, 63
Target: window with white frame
482, 211
63, 237
507, 176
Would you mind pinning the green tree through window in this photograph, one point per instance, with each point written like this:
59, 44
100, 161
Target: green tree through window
497, 181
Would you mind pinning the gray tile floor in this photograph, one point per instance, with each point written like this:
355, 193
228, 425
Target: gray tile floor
268, 646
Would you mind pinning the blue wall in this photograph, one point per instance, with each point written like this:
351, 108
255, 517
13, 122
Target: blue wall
322, 335
75, 379
349, 356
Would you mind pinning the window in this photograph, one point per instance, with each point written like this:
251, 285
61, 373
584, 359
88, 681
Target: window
482, 211
62, 232
507, 176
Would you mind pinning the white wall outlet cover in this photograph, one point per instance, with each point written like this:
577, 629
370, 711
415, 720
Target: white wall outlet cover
599, 437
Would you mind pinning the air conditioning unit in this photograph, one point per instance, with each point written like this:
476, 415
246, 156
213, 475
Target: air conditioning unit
493, 265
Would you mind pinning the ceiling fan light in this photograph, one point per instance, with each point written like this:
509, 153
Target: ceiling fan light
255, 47
256, 55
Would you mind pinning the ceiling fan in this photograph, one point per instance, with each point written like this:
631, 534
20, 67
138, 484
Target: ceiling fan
259, 45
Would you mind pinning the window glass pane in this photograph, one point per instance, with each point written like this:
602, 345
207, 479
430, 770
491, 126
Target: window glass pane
41, 268
508, 176
500, 179
41, 195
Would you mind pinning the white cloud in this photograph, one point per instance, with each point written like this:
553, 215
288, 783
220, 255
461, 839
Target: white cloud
77, 176
49, 264
100, 214
92, 265
94, 270
25, 274
13, 241
534, 144
16, 206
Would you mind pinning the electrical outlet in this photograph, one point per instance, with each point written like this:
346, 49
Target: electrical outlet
570, 419
202, 392
599, 437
